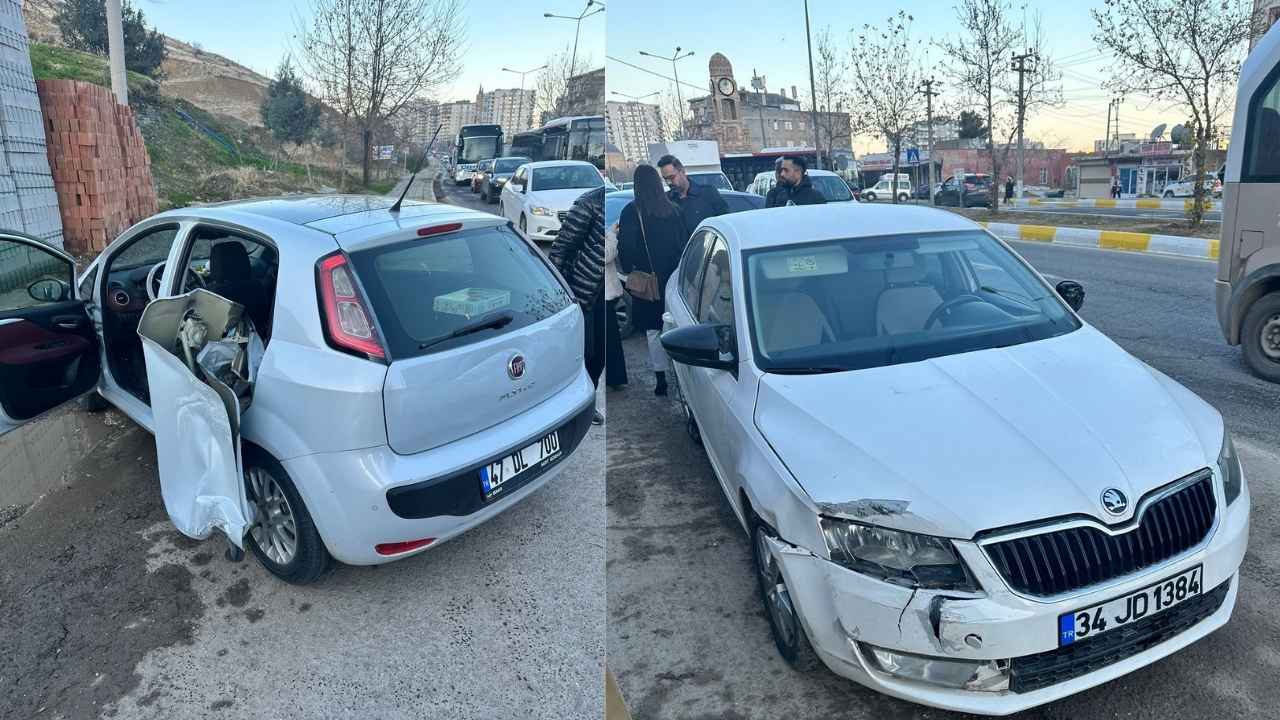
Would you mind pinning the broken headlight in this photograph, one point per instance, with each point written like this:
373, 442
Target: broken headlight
901, 558
1229, 468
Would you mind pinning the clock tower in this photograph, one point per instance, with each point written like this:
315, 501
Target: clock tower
726, 109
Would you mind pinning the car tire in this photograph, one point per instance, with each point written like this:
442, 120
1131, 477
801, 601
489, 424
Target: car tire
274, 496
1168, 194
524, 227
903, 197
94, 402
1260, 337
869, 196
788, 632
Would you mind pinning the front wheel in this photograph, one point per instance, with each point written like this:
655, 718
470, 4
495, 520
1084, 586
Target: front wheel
869, 197
283, 536
784, 619
524, 227
1260, 337
902, 198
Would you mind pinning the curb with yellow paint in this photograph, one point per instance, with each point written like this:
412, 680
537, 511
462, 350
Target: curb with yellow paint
1204, 248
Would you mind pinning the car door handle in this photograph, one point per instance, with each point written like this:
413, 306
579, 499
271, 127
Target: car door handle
68, 322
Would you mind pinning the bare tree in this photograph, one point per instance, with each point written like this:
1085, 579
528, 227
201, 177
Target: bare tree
830, 68
1185, 52
670, 112
889, 73
372, 56
979, 62
553, 81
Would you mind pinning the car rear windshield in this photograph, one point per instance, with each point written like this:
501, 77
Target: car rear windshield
506, 165
715, 180
565, 177
423, 290
869, 302
832, 188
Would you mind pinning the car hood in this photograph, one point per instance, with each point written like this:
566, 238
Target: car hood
955, 445
556, 199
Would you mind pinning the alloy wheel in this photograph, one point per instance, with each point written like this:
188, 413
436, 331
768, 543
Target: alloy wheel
274, 530
776, 598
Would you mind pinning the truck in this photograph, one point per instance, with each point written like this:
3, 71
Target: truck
1247, 287
700, 158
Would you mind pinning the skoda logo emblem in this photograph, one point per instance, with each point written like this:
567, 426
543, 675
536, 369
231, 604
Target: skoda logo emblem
515, 367
1114, 501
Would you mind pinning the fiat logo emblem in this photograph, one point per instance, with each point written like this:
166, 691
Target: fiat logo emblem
515, 367
1114, 501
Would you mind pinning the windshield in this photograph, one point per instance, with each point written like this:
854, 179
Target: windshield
715, 180
508, 165
870, 302
565, 177
832, 188
475, 149
423, 290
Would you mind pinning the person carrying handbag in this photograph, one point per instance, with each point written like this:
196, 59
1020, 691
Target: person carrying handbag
651, 237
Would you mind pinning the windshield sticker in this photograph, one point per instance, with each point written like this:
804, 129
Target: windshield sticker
471, 302
802, 264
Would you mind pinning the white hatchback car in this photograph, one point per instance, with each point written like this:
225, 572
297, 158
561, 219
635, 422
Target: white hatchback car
415, 373
958, 492
539, 195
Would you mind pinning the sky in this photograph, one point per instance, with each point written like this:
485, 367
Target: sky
769, 36
259, 33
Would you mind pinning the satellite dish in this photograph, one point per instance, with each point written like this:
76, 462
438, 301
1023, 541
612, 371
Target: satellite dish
1157, 132
1179, 134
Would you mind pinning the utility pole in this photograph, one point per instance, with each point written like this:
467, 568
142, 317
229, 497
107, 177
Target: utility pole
929, 92
757, 82
577, 28
684, 129
520, 108
1106, 136
1020, 67
813, 90
115, 48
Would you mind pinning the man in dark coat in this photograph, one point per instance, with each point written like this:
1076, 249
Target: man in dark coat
795, 187
696, 202
1008, 189
578, 253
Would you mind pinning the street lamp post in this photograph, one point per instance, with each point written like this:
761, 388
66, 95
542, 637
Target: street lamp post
577, 19
675, 73
813, 90
520, 110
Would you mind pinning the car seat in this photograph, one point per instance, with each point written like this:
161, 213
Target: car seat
231, 276
907, 301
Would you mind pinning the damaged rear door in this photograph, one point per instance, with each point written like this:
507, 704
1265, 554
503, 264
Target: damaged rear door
201, 355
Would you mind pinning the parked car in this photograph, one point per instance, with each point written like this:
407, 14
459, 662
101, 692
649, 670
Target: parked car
922, 191
882, 191
497, 175
831, 185
1187, 188
716, 179
401, 377
614, 202
974, 192
483, 168
957, 491
539, 195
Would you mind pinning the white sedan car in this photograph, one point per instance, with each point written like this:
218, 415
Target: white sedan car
958, 492
539, 195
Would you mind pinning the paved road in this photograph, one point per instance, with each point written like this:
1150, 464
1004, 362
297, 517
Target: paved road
461, 195
688, 638
106, 611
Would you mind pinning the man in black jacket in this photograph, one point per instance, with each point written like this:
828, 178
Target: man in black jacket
794, 187
578, 253
696, 202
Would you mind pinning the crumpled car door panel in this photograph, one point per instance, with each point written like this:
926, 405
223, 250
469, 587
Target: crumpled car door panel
197, 417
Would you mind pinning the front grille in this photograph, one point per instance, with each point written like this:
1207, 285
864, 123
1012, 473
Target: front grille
1033, 672
1060, 561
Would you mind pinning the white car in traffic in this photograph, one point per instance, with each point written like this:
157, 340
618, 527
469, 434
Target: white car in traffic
958, 492
539, 195
832, 186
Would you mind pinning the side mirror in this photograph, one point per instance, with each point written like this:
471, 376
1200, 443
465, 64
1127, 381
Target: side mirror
1072, 292
709, 346
49, 290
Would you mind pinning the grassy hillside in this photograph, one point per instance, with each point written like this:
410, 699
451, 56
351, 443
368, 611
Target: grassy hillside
195, 156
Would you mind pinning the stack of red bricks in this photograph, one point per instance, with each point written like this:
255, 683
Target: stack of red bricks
100, 165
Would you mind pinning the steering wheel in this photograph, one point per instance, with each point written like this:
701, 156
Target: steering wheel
153, 279
950, 305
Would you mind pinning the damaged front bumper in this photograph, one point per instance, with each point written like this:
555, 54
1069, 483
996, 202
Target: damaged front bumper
995, 652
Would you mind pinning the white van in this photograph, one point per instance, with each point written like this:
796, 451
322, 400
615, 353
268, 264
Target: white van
882, 191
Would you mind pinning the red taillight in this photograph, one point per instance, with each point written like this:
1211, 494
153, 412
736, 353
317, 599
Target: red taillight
396, 548
438, 229
347, 320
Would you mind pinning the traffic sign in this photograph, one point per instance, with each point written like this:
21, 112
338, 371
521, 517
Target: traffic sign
913, 156
384, 152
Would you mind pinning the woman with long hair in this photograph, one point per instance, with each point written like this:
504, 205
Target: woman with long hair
651, 237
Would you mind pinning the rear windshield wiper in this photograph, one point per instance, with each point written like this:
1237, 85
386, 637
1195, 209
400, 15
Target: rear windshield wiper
487, 322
